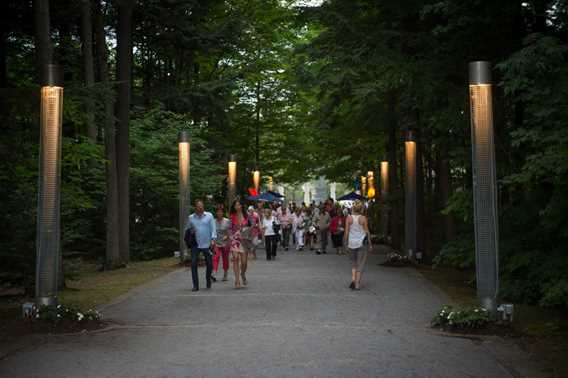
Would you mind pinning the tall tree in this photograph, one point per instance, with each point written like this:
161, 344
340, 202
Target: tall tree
112, 255
122, 112
88, 66
44, 45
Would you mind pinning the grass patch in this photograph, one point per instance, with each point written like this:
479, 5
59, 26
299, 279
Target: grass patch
89, 289
94, 288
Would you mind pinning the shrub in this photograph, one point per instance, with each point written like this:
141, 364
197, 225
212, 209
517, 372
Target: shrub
56, 314
458, 253
469, 318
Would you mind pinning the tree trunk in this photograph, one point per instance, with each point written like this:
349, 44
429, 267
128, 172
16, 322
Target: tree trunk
444, 190
122, 112
3, 58
394, 195
257, 135
43, 44
89, 71
112, 246
420, 241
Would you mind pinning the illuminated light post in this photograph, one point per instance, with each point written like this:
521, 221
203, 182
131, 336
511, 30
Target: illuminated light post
371, 185
49, 187
270, 183
363, 185
384, 188
484, 185
384, 178
256, 180
184, 193
232, 179
410, 219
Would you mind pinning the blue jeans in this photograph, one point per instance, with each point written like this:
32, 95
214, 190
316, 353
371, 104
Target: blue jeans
194, 259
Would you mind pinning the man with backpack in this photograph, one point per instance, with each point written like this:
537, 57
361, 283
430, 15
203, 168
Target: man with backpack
200, 232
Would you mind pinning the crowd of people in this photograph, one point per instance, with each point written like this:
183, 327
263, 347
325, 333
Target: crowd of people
236, 236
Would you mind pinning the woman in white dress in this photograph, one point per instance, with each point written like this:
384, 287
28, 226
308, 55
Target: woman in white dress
298, 229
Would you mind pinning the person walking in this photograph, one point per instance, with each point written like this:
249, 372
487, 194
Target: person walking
337, 229
358, 240
310, 226
286, 225
202, 224
270, 237
252, 243
221, 246
324, 221
298, 228
240, 227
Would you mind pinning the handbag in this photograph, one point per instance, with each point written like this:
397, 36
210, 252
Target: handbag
276, 227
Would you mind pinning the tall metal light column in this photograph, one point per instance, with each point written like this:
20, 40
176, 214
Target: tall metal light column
371, 192
232, 179
184, 193
364, 186
384, 184
49, 194
484, 185
384, 178
410, 237
256, 180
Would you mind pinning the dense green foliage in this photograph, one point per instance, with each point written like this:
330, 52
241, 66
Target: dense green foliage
328, 90
387, 66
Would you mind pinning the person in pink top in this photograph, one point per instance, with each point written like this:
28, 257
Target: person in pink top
286, 224
221, 245
240, 227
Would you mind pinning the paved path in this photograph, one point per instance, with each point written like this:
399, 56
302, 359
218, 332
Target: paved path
297, 318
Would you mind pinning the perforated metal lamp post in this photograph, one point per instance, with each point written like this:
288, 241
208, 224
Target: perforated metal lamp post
384, 185
363, 185
410, 196
184, 193
484, 185
232, 179
49, 192
371, 193
256, 180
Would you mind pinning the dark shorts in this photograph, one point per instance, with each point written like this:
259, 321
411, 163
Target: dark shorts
337, 240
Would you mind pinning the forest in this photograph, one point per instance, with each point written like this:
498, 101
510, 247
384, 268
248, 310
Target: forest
300, 90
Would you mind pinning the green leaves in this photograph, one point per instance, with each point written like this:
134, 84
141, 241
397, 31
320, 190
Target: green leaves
154, 178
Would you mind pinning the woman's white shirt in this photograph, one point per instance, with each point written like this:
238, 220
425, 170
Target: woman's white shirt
268, 227
356, 233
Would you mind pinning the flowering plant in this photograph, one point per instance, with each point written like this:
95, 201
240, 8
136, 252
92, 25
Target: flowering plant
469, 318
55, 314
396, 259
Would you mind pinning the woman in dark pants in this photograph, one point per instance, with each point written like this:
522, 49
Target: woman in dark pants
337, 228
270, 237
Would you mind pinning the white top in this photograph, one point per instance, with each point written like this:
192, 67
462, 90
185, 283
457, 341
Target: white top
267, 225
356, 233
297, 221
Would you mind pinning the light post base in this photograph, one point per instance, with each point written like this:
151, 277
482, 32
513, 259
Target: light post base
488, 303
46, 301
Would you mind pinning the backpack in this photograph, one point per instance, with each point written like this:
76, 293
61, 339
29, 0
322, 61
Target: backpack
189, 237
